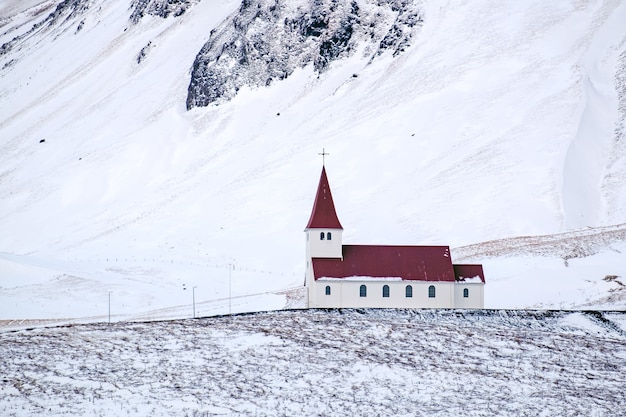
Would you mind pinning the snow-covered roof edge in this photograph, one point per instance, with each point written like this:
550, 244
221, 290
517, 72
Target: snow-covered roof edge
357, 278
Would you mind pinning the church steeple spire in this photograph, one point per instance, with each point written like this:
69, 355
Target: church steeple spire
323, 154
323, 215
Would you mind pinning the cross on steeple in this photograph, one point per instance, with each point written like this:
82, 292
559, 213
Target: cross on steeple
324, 153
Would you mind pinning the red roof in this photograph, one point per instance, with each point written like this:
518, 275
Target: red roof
463, 272
323, 215
418, 263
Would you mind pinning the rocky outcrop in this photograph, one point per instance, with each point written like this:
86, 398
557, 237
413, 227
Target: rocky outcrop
266, 40
161, 8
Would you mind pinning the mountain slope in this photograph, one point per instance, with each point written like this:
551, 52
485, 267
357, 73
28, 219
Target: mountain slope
495, 121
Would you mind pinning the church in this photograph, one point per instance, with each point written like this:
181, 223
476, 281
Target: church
377, 276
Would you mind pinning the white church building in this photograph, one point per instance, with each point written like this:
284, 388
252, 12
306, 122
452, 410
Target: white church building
375, 276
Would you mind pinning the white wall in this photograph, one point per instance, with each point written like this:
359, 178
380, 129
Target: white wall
346, 294
317, 248
475, 297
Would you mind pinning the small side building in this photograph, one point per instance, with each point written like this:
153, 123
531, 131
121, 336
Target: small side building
377, 276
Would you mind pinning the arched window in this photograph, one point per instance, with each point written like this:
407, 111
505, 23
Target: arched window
328, 290
465, 293
329, 236
386, 291
363, 291
431, 291
409, 291
321, 235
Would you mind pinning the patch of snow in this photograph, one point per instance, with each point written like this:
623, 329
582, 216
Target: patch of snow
476, 278
360, 278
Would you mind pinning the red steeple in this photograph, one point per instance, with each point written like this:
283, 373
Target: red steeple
323, 215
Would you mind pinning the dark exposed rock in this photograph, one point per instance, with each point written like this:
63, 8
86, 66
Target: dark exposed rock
80, 26
9, 64
399, 35
67, 10
7, 46
266, 40
144, 52
161, 8
339, 42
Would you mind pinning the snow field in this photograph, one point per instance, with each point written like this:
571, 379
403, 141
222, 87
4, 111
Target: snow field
337, 362
141, 289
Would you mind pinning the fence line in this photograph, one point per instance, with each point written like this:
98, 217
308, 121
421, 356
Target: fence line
235, 267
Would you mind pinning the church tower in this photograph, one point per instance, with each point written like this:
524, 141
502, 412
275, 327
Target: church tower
323, 231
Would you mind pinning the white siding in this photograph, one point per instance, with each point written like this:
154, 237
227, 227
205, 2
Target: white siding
318, 248
346, 294
475, 297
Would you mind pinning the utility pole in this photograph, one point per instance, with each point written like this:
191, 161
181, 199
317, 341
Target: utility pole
109, 307
193, 292
230, 290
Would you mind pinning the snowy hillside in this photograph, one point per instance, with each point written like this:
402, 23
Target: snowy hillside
346, 362
447, 123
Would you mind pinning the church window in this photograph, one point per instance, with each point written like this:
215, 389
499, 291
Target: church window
386, 291
465, 293
409, 291
321, 235
328, 290
328, 236
431, 291
363, 291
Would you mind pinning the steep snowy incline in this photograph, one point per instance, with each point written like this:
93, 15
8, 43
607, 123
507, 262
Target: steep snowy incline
587, 157
468, 135
13, 8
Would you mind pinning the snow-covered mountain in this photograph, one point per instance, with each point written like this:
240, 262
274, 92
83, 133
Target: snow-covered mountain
151, 146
